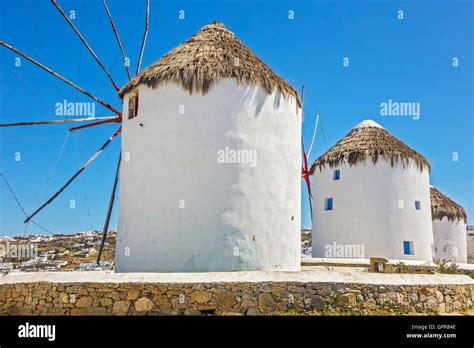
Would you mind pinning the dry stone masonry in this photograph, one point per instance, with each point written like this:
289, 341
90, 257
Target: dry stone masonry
236, 298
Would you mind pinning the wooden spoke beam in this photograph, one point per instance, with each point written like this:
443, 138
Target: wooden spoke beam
13, 49
98, 152
116, 119
34, 123
117, 37
145, 33
79, 35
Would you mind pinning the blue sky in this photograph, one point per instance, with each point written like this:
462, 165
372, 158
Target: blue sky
408, 60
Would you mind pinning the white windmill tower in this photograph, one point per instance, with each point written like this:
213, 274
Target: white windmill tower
211, 176
449, 228
371, 198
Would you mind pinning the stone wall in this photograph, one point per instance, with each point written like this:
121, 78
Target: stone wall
237, 298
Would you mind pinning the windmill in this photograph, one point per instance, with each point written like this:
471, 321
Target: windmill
305, 170
214, 31
90, 121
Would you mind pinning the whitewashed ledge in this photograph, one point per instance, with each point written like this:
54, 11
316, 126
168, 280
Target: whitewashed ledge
364, 262
312, 274
309, 261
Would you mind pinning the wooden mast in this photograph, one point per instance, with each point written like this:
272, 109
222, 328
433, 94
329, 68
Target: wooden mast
109, 210
304, 167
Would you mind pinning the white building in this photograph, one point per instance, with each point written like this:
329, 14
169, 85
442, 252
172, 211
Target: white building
470, 243
6, 266
211, 162
449, 228
371, 198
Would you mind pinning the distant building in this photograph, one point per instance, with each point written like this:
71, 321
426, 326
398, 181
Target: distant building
305, 242
93, 266
6, 266
77, 246
470, 243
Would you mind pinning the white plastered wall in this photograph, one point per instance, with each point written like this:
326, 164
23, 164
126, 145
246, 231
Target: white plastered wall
183, 211
450, 240
373, 211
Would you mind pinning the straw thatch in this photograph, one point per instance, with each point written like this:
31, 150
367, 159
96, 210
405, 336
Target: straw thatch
442, 206
372, 142
208, 56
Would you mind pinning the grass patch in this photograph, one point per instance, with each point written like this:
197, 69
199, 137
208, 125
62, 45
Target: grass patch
446, 266
391, 307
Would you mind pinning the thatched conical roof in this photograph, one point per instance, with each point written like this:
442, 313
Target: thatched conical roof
212, 54
369, 140
442, 206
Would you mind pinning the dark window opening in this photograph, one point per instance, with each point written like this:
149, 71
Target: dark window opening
408, 248
417, 205
328, 204
133, 106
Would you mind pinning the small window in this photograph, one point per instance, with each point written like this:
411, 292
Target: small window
408, 248
417, 205
132, 106
337, 174
328, 204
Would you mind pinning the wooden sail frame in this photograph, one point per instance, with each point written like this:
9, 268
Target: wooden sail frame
95, 121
